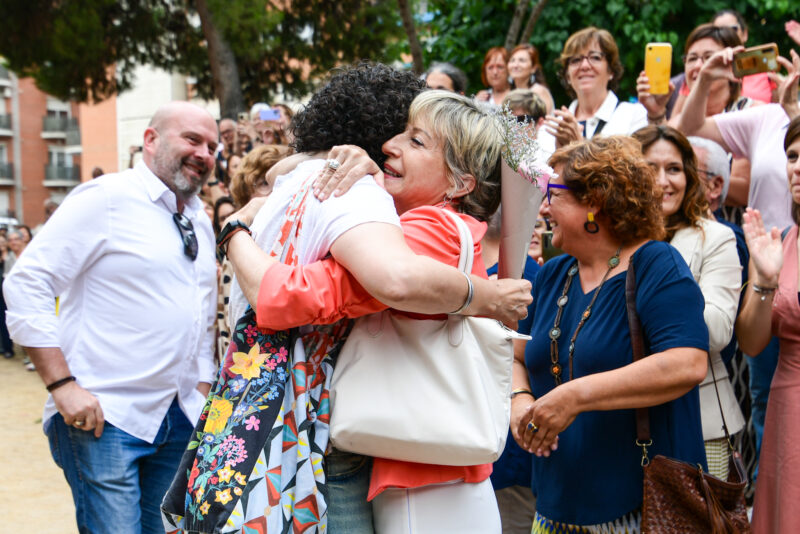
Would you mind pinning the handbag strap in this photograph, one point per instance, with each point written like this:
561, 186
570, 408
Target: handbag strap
637, 342
467, 245
643, 438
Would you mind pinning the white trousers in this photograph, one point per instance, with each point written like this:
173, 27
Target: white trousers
455, 507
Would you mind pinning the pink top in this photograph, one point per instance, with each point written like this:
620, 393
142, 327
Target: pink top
757, 134
758, 87
324, 292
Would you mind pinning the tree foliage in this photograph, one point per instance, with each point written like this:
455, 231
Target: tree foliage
460, 31
69, 47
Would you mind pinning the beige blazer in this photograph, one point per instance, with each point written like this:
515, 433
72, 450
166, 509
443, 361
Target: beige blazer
710, 253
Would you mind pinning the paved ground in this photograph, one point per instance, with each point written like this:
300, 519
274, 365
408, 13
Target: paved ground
34, 497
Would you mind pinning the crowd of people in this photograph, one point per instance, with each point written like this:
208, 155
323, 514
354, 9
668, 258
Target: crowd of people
186, 314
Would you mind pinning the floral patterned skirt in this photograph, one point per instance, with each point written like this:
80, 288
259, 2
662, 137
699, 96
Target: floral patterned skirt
255, 463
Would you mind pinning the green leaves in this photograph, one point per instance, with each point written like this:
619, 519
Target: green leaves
462, 30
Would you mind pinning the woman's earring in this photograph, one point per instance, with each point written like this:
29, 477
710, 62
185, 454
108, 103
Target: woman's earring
447, 199
532, 79
590, 225
511, 81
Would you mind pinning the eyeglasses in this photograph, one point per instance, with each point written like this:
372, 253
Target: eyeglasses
188, 236
551, 185
526, 118
691, 59
594, 59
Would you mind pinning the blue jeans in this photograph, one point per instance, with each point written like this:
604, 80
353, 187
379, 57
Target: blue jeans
348, 484
762, 367
118, 480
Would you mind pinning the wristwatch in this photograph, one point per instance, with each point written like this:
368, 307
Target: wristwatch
225, 235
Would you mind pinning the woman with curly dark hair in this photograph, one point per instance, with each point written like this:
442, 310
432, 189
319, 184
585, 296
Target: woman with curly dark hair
290, 476
574, 383
709, 249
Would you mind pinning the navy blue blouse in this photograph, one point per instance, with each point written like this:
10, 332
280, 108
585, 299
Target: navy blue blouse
595, 476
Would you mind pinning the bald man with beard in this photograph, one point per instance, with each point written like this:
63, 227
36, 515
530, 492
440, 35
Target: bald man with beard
129, 359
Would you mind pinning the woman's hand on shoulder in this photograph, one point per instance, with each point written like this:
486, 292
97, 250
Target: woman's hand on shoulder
766, 248
354, 164
482, 96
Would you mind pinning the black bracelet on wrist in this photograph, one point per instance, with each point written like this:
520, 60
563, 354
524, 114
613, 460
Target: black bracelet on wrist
225, 235
59, 383
521, 391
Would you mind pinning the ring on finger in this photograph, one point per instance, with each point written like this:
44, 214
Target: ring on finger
78, 423
532, 426
333, 164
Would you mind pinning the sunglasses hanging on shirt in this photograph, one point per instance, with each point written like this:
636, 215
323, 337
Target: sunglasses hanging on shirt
188, 236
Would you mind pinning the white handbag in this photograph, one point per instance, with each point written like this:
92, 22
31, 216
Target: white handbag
427, 391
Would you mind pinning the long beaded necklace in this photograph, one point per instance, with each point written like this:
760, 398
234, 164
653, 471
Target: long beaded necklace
555, 332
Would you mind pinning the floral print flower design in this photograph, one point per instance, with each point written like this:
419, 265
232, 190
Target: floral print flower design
248, 365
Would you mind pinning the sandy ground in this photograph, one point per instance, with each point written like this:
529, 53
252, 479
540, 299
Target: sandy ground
34, 496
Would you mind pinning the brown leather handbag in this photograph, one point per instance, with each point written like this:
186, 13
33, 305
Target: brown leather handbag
680, 497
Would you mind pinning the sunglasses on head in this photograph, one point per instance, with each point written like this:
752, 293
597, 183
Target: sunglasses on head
188, 236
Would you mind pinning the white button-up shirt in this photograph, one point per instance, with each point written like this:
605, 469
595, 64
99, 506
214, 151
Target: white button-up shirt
136, 318
618, 118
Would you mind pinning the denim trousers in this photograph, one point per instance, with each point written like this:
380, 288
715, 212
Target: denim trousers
118, 480
348, 484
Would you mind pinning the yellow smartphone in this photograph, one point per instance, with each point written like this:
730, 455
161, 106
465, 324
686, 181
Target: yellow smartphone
754, 60
657, 65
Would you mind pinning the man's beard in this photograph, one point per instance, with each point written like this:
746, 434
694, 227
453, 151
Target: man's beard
182, 186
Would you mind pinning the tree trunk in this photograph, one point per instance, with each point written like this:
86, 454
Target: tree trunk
516, 24
224, 72
411, 32
535, 14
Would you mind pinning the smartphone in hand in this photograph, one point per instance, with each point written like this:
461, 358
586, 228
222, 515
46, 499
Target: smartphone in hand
757, 59
273, 114
657, 65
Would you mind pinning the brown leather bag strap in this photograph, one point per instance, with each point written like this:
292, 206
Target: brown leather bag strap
637, 342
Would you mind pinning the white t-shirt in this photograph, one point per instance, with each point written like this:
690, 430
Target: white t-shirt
757, 134
322, 222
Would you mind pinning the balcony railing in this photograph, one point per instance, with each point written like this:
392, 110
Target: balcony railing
60, 173
59, 124
73, 137
6, 171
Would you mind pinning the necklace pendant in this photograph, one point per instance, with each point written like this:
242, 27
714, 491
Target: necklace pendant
613, 262
555, 333
562, 301
587, 313
573, 270
555, 370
